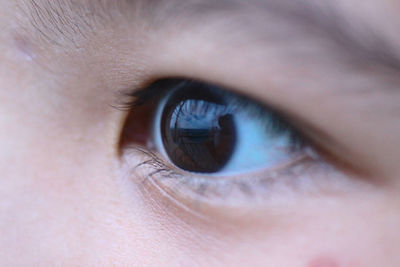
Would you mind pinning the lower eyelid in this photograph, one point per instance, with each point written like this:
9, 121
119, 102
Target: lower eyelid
196, 192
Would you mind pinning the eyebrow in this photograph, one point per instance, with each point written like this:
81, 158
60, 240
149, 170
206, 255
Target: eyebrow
66, 21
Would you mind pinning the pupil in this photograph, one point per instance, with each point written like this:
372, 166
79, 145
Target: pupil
198, 132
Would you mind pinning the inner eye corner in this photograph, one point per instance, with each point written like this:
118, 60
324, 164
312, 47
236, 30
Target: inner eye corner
136, 126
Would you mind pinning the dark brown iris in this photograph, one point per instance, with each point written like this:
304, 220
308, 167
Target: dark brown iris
198, 131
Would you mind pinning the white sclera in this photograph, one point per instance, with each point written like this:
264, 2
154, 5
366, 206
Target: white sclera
257, 147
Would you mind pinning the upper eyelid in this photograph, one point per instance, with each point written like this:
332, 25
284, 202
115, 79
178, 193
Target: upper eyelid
153, 92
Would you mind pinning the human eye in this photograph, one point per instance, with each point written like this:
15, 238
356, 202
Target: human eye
197, 142
201, 128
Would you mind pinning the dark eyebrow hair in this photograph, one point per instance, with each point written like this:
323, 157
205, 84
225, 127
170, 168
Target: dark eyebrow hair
63, 22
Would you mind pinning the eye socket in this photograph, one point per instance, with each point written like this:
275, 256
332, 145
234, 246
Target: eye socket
198, 142
202, 128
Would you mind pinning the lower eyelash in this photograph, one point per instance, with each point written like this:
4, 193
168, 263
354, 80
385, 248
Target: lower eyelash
196, 189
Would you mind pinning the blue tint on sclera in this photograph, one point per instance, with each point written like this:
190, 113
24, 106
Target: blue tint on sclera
261, 140
257, 146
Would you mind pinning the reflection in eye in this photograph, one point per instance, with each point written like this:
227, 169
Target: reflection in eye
198, 135
205, 129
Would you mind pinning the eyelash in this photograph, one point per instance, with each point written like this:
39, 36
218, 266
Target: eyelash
153, 169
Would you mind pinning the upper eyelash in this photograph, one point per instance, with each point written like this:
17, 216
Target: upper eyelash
152, 94
147, 94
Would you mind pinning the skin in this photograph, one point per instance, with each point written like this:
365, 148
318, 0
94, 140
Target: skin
68, 198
